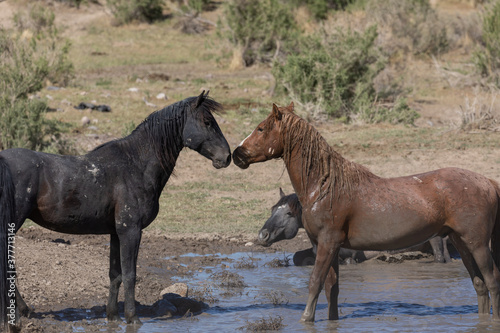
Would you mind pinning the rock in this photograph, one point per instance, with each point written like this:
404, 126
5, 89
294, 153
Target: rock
85, 121
180, 289
161, 96
133, 89
249, 244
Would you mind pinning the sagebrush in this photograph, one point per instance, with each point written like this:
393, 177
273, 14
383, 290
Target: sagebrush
28, 60
335, 71
487, 56
261, 29
127, 11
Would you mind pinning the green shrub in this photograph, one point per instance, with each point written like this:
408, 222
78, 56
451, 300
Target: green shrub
399, 113
126, 11
487, 57
37, 26
320, 8
336, 72
261, 28
194, 5
27, 62
413, 24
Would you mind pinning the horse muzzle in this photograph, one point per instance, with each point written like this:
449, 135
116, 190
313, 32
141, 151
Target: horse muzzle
240, 158
264, 238
221, 163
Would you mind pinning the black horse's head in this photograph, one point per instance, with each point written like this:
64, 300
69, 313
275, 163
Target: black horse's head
202, 133
285, 220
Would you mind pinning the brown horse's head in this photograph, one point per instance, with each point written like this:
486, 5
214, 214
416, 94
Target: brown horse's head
265, 142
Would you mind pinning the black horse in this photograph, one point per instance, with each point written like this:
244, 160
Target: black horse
114, 189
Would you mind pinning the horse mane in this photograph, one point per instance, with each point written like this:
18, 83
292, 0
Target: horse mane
336, 175
163, 129
292, 200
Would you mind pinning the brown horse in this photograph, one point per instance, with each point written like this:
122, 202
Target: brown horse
344, 204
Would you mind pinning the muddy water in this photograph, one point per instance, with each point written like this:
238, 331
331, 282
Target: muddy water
374, 296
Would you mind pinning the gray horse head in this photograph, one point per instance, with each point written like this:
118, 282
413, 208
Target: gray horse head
285, 220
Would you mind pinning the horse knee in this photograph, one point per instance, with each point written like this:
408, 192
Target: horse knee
480, 286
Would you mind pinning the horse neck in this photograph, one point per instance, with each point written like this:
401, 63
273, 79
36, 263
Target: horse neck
145, 152
317, 170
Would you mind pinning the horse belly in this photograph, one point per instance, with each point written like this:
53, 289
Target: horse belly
75, 213
74, 222
390, 232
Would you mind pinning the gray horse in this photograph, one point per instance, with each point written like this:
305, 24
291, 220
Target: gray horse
286, 220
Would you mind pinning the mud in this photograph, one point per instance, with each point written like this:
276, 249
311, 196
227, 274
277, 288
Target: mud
61, 274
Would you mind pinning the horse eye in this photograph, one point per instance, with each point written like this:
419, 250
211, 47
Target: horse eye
289, 213
260, 129
207, 123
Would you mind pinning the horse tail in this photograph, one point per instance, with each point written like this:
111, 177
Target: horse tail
7, 217
495, 235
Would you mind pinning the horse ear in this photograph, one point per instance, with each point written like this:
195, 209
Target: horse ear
291, 107
276, 112
282, 194
201, 98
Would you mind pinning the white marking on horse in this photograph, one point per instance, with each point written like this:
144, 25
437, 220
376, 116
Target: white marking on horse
281, 207
94, 171
241, 144
418, 179
28, 190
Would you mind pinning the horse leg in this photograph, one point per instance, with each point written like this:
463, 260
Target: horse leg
325, 255
21, 305
129, 249
332, 290
437, 248
446, 253
115, 278
489, 271
483, 300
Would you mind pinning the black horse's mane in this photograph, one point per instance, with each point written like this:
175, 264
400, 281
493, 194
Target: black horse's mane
163, 129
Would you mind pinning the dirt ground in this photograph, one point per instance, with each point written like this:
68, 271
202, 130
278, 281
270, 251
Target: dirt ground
60, 274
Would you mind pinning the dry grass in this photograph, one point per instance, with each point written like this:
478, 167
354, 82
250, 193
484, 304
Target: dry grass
261, 325
276, 298
226, 279
246, 263
277, 262
479, 114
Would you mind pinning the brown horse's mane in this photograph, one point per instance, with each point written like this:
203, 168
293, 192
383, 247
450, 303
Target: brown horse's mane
336, 174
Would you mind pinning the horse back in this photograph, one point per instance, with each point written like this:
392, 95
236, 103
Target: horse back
70, 194
393, 213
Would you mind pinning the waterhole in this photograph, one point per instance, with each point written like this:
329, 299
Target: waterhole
374, 296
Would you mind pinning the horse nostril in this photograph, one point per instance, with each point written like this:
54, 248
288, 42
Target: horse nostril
264, 235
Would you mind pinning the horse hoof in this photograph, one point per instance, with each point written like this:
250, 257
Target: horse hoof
134, 321
115, 317
307, 319
25, 312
